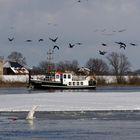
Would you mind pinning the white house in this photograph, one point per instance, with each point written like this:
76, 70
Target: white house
14, 68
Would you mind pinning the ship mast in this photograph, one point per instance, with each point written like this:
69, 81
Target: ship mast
50, 59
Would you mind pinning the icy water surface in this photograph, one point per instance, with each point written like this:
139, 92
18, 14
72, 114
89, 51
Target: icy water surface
65, 126
89, 125
99, 89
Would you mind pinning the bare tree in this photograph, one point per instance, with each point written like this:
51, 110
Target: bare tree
124, 64
61, 66
97, 66
113, 59
43, 67
17, 57
67, 66
74, 65
119, 65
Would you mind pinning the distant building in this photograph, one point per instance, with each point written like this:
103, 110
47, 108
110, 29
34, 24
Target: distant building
14, 68
84, 70
1, 65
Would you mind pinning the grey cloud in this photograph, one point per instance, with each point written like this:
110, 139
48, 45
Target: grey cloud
71, 21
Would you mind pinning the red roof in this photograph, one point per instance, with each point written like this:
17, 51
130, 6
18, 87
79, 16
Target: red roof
58, 72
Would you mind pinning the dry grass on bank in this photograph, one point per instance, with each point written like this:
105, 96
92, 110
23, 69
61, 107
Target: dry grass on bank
131, 81
13, 84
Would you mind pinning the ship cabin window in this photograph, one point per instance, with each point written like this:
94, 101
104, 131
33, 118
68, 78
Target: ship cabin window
57, 76
77, 83
70, 83
69, 76
49, 76
74, 83
65, 76
81, 83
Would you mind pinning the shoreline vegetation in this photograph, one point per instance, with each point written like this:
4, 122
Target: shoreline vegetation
13, 84
120, 81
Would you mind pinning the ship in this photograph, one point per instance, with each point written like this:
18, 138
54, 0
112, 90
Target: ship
63, 80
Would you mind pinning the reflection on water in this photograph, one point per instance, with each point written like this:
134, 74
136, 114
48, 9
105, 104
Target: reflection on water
98, 89
118, 89
31, 124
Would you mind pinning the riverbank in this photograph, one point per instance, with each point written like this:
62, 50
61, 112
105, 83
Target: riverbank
25, 84
13, 84
22, 80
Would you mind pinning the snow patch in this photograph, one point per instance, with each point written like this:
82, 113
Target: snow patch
68, 101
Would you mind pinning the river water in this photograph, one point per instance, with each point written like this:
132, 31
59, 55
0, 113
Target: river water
105, 125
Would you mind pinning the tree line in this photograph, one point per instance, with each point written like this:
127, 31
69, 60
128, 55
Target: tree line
113, 64
116, 64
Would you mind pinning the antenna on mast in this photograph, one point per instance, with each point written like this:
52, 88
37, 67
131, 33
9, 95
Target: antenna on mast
50, 58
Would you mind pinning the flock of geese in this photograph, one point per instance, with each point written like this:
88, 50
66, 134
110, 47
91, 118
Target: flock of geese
54, 40
122, 45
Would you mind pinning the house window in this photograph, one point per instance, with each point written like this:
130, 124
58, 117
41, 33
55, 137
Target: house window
74, 83
81, 83
57, 76
70, 83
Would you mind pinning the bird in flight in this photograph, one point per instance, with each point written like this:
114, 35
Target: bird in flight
79, 43
71, 45
122, 45
133, 44
28, 40
103, 44
40, 40
11, 39
55, 47
53, 40
122, 30
102, 52
81, 1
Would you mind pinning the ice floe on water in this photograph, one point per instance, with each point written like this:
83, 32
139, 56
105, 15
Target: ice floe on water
71, 101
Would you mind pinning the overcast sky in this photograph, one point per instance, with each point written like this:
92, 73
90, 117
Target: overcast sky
91, 22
